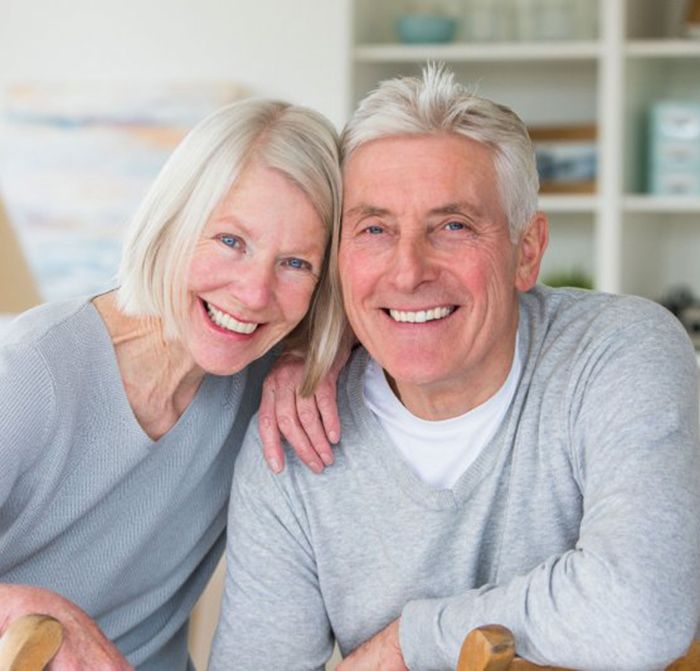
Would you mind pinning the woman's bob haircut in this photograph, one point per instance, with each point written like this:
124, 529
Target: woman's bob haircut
160, 241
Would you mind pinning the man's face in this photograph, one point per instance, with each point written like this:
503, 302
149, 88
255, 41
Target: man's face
429, 273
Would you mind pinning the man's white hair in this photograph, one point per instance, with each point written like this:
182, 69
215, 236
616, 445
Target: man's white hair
436, 103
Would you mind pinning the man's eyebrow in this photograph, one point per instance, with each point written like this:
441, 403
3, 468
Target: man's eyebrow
462, 207
366, 211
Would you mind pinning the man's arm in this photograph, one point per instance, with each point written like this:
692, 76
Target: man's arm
626, 597
272, 614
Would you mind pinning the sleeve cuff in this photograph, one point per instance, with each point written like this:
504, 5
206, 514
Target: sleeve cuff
420, 636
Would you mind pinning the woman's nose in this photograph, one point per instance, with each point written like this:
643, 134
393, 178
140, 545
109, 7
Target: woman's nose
254, 284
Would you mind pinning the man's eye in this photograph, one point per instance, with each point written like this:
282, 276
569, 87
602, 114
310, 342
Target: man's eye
455, 226
297, 264
374, 230
232, 241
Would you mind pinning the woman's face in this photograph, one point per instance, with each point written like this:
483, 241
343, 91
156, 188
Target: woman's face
254, 271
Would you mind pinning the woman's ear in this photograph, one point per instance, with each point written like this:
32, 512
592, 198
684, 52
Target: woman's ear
531, 248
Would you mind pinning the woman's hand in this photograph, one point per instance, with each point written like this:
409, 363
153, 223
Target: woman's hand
84, 645
310, 424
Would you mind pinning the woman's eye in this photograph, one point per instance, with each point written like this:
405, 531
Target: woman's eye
232, 241
297, 264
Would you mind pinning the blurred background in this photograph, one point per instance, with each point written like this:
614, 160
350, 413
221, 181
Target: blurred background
94, 95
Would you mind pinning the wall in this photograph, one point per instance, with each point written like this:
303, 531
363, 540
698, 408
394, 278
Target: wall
294, 50
18, 290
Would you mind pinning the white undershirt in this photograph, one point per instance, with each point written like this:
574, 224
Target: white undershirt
439, 452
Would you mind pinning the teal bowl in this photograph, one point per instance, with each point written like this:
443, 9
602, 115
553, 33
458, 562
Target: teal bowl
425, 28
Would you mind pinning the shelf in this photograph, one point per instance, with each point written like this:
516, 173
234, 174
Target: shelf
629, 242
568, 203
666, 48
662, 204
483, 51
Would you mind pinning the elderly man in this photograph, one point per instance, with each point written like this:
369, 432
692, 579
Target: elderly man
510, 453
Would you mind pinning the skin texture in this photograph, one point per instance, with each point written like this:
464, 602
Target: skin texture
258, 260
310, 424
423, 228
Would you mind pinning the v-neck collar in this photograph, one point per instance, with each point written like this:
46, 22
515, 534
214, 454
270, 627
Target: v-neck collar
494, 455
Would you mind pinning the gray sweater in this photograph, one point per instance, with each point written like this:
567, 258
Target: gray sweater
578, 527
90, 507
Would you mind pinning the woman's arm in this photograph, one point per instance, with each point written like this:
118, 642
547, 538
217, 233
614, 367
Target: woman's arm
27, 415
84, 645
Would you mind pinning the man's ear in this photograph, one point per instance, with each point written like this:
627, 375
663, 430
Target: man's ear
531, 247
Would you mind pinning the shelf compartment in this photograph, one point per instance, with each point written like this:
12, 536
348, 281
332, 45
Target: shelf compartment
660, 48
482, 51
661, 251
661, 204
562, 203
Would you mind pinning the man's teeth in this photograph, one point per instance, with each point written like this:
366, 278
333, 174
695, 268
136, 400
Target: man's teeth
421, 315
229, 323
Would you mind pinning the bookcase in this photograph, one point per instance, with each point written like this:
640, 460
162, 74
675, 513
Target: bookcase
608, 72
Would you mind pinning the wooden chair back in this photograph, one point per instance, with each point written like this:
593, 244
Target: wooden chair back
30, 643
492, 648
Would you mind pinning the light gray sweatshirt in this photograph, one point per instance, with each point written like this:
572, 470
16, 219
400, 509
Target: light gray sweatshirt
578, 527
90, 507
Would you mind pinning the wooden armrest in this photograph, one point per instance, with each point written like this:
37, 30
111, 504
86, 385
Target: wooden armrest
30, 643
492, 648
489, 648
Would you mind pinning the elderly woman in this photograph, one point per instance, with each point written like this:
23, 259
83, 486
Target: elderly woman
121, 414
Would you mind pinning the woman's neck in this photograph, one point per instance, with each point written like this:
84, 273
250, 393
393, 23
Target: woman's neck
159, 376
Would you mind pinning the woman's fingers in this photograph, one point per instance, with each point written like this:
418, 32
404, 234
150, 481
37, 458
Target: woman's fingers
309, 425
269, 432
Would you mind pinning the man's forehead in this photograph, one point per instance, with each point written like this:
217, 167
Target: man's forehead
444, 173
396, 146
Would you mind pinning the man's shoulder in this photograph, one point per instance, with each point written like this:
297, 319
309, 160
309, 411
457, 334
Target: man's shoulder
252, 471
596, 312
579, 331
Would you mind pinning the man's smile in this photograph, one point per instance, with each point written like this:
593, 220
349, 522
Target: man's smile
421, 316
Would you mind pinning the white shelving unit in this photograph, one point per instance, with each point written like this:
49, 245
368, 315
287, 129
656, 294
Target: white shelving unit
627, 241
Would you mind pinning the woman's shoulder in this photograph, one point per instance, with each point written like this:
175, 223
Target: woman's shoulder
31, 327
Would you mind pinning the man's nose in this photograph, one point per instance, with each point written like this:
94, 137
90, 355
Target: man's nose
254, 284
412, 264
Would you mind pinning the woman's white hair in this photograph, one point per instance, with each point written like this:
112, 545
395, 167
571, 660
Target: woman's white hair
161, 238
436, 103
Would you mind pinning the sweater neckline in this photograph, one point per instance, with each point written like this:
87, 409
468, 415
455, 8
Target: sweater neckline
494, 455
206, 392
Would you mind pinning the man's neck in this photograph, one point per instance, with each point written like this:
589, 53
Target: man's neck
454, 397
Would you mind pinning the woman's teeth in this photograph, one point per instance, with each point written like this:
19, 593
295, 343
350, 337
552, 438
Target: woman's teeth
229, 323
421, 315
